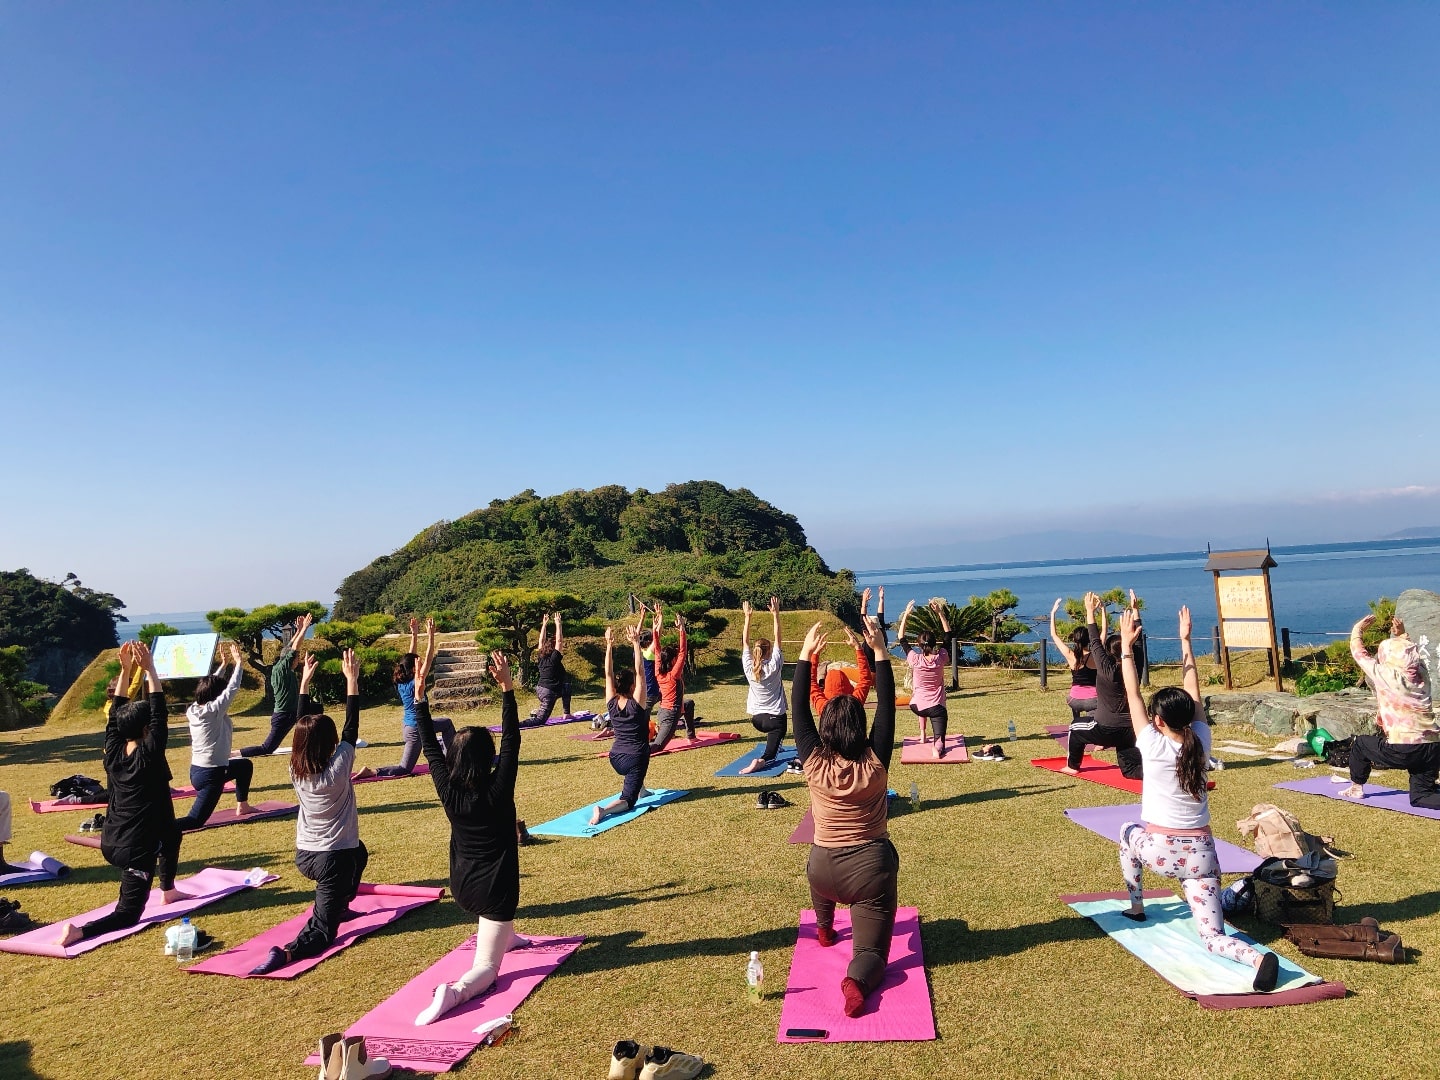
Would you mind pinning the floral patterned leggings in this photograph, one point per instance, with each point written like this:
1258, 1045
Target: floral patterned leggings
1191, 860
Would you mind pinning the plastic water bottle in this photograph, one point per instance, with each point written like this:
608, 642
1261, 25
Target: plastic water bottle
1011, 729
185, 943
914, 796
256, 876
755, 977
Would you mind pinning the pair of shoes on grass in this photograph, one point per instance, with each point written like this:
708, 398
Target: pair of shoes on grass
990, 752
344, 1057
770, 800
12, 919
635, 1061
93, 825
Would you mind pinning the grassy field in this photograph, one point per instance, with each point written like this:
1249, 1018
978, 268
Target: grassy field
672, 904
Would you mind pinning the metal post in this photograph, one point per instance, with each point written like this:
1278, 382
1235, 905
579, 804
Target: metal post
1285, 643
1044, 665
1215, 636
1144, 659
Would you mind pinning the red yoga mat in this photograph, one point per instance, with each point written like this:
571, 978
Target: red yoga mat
915, 752
389, 1028
899, 1011
1099, 772
702, 739
376, 906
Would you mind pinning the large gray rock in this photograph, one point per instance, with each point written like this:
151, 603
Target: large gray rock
1419, 610
1344, 713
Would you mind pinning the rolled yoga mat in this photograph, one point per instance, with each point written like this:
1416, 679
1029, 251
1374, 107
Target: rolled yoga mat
1382, 797
264, 811
1168, 943
1106, 821
915, 752
899, 1011
577, 822
783, 758
376, 906
209, 885
389, 1028
39, 867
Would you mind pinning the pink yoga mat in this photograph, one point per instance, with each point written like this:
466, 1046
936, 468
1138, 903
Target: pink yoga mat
54, 806
377, 905
264, 811
900, 1011
804, 832
915, 752
702, 739
209, 885
389, 1028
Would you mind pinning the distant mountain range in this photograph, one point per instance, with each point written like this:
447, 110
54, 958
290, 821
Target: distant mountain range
1423, 532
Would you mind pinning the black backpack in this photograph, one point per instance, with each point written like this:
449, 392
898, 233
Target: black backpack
79, 788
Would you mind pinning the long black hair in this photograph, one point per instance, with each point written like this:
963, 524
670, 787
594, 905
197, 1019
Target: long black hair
405, 668
842, 729
1174, 708
470, 757
1080, 644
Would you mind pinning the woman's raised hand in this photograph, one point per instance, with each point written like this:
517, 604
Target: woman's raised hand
1129, 628
1055, 608
745, 607
350, 665
609, 637
1184, 624
865, 600
500, 669
874, 636
815, 642
849, 637
1092, 602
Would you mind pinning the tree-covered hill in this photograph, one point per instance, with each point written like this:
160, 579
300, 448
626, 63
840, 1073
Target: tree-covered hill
601, 545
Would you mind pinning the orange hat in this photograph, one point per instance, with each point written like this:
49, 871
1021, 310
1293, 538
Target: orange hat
837, 684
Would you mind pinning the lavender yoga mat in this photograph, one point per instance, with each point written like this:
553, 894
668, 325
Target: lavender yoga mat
389, 1028
377, 905
914, 752
209, 885
554, 721
39, 867
1106, 821
1375, 795
899, 1011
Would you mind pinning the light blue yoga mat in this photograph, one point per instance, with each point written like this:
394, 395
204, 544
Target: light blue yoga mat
577, 822
782, 759
1168, 942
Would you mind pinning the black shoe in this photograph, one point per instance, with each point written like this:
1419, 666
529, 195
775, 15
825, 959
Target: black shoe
794, 766
1268, 973
774, 800
762, 800
94, 824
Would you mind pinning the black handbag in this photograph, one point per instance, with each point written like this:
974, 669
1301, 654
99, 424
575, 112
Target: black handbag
1280, 899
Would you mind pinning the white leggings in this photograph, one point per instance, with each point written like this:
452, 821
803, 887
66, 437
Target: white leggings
492, 941
1193, 861
4, 817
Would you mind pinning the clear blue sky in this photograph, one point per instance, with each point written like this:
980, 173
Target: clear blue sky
282, 284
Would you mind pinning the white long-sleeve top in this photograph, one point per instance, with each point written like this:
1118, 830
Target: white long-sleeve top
211, 731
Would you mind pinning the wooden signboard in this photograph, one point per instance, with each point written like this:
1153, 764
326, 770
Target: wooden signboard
1245, 607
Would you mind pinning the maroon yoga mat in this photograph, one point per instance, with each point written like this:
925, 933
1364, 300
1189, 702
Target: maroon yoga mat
264, 811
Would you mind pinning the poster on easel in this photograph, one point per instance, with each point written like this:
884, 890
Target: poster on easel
184, 656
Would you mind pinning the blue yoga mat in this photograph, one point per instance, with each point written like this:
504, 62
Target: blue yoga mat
782, 759
577, 822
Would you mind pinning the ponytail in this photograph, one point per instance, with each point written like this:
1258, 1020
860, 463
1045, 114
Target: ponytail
757, 657
1190, 769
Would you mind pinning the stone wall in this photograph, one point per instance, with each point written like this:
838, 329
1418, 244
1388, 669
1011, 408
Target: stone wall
1343, 713
1420, 612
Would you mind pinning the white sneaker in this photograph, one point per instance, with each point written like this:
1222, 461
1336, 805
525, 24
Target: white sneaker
361, 1066
662, 1063
332, 1057
445, 999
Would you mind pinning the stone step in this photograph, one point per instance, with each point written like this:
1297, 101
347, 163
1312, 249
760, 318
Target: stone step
445, 666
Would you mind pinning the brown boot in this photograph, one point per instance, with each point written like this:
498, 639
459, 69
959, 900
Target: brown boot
1362, 931
1389, 951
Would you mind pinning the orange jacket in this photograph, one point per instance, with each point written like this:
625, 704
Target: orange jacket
837, 683
672, 681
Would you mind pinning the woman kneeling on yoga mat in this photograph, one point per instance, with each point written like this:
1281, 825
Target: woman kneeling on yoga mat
1111, 724
1174, 839
328, 849
405, 679
852, 861
1082, 697
928, 662
630, 719
1404, 713
765, 701
140, 830
211, 735
477, 789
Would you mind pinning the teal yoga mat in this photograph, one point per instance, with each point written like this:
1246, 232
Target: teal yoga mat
577, 822
782, 759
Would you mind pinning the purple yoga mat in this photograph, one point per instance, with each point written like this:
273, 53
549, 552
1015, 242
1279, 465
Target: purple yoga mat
1383, 797
264, 811
389, 1028
899, 1011
39, 867
377, 905
1106, 821
554, 721
206, 887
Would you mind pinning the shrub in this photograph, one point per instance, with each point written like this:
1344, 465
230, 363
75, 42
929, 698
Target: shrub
152, 630
94, 698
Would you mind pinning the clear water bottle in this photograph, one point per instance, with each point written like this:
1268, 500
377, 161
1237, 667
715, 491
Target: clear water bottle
185, 943
755, 977
914, 796
1011, 729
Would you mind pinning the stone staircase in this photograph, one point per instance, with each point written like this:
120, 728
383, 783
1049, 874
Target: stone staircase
460, 682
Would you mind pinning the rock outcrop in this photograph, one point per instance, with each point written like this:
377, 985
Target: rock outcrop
1343, 713
1419, 610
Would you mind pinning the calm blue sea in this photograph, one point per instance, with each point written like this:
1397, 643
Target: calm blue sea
1319, 589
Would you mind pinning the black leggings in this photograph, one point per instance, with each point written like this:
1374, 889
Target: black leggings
280, 725
337, 879
939, 717
773, 725
137, 871
665, 723
1127, 755
1421, 761
865, 877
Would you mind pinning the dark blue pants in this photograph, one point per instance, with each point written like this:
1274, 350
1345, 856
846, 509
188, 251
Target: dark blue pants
209, 784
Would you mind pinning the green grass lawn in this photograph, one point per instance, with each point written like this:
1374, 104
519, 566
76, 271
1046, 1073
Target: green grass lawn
673, 903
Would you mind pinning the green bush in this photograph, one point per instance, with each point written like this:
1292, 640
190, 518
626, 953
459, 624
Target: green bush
29, 695
152, 630
94, 698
